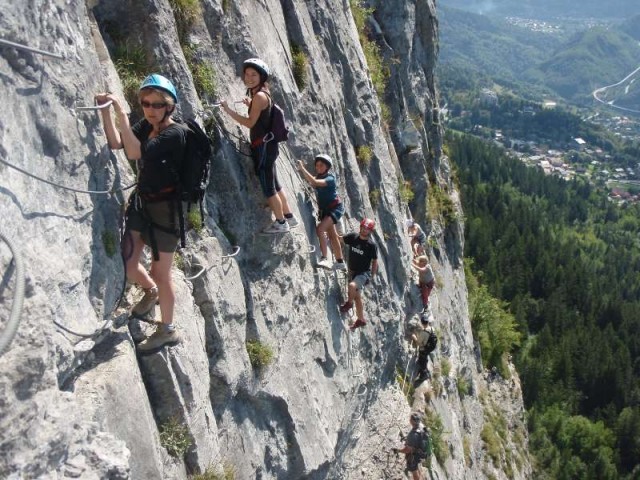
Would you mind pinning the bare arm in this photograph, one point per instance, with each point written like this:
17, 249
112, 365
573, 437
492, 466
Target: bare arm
113, 135
310, 178
406, 449
259, 103
416, 266
122, 137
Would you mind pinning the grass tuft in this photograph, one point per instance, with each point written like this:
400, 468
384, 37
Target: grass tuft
109, 243
436, 427
131, 64
445, 367
406, 191
463, 386
364, 154
185, 12
374, 197
175, 437
228, 473
441, 205
260, 354
204, 78
300, 63
194, 220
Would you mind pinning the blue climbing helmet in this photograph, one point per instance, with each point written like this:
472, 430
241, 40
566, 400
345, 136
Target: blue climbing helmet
161, 83
259, 66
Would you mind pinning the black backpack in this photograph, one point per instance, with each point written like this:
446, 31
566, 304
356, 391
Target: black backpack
194, 171
432, 343
278, 126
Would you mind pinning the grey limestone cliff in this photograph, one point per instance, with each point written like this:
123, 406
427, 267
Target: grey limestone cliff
75, 399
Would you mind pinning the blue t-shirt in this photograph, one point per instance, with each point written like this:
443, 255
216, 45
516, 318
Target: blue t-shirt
328, 193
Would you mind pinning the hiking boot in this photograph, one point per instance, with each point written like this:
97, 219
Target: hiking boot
292, 221
358, 323
277, 227
324, 263
341, 266
160, 338
146, 303
346, 306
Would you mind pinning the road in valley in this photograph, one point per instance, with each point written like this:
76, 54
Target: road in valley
598, 91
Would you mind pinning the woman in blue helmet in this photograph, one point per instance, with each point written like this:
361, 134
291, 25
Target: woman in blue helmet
255, 74
157, 144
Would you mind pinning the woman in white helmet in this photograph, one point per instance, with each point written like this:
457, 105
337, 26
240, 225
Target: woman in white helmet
255, 74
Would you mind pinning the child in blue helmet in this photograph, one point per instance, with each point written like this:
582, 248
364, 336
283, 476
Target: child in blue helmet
157, 144
255, 74
330, 206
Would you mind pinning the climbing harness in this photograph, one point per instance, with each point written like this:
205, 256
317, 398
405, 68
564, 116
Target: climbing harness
71, 189
18, 297
204, 269
19, 46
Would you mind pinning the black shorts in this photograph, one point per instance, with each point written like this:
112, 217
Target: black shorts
335, 213
413, 462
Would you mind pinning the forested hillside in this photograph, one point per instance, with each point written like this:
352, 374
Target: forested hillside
532, 63
478, 43
591, 59
567, 262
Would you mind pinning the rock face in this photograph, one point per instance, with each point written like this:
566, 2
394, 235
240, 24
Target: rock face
75, 399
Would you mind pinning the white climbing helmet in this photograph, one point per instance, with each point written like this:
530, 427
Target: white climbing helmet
259, 65
326, 159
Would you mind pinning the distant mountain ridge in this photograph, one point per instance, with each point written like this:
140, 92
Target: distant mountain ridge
593, 58
490, 45
549, 8
540, 61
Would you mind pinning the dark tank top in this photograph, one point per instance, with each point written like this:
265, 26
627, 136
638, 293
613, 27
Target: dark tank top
262, 126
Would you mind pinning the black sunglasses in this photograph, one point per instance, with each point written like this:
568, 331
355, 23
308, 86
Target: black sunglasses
154, 105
